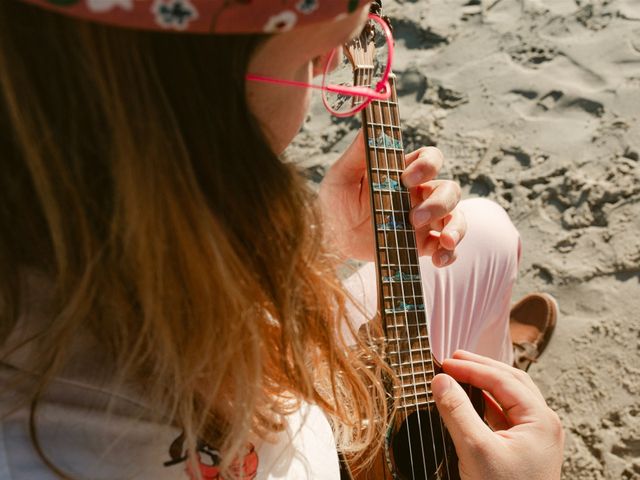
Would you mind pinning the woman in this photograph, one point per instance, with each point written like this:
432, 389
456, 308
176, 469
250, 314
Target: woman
169, 308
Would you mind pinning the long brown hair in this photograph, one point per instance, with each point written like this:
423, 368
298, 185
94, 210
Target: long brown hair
136, 179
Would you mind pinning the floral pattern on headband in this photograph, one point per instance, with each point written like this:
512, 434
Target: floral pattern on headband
282, 22
307, 6
204, 16
174, 14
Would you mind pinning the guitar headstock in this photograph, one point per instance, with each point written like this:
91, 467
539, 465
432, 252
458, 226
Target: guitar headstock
362, 50
359, 71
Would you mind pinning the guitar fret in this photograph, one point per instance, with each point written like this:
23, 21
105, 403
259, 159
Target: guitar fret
417, 337
387, 170
413, 363
408, 401
387, 149
422, 391
413, 374
401, 311
413, 385
384, 103
397, 248
412, 296
396, 331
391, 191
395, 265
416, 404
403, 325
420, 350
404, 282
399, 338
378, 124
415, 397
400, 212
398, 297
381, 228
391, 342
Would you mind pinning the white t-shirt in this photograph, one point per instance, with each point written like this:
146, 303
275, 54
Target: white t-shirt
90, 444
91, 432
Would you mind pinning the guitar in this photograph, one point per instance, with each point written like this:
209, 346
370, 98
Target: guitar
417, 445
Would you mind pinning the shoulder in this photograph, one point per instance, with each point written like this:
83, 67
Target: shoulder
306, 449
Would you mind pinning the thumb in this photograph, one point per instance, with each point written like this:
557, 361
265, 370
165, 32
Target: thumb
457, 412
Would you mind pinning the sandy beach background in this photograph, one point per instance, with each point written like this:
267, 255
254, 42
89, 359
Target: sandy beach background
536, 105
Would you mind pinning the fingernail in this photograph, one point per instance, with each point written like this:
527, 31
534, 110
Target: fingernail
455, 236
411, 179
444, 385
444, 258
422, 217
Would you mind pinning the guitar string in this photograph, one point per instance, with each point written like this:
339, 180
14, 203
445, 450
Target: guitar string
406, 234
421, 349
399, 164
371, 115
405, 313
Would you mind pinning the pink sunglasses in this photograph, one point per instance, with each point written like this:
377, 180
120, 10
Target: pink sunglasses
342, 98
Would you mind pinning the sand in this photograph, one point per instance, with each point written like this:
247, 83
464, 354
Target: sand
536, 105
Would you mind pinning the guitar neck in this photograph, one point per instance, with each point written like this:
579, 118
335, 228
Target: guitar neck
401, 300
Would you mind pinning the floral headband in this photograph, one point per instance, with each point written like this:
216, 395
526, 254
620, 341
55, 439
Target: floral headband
204, 16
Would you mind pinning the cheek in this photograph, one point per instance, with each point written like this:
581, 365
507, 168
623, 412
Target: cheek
280, 110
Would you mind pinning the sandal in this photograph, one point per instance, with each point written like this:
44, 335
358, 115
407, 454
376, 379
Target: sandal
532, 322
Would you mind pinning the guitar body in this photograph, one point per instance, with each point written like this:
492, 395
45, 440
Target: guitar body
416, 446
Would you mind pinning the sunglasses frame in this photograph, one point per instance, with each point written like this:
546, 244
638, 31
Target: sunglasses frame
382, 90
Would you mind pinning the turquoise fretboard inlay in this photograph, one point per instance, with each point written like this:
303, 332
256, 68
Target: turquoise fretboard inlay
401, 276
385, 141
388, 185
392, 224
402, 307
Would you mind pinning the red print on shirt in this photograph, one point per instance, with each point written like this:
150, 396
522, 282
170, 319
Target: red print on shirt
208, 461
244, 468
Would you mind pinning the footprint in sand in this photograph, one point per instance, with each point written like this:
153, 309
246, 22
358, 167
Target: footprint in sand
558, 100
595, 17
532, 56
413, 36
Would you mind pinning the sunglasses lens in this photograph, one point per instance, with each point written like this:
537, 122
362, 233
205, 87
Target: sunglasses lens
361, 62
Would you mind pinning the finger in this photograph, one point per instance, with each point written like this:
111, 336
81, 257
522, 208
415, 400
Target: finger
517, 401
429, 245
494, 415
443, 257
517, 374
428, 238
422, 166
465, 426
454, 230
432, 152
441, 202
420, 193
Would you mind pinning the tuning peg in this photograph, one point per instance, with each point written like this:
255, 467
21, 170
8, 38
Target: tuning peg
388, 21
376, 7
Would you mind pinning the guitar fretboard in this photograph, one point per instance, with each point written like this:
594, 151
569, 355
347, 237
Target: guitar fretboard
401, 300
